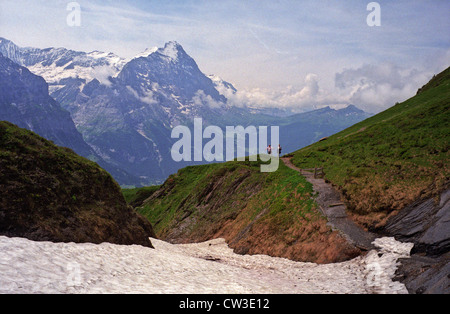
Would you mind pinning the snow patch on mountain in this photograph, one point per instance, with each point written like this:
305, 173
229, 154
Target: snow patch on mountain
58, 64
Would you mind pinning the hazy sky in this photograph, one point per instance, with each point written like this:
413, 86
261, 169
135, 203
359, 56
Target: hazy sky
295, 54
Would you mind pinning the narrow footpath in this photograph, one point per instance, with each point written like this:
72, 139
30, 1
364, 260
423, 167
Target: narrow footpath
332, 207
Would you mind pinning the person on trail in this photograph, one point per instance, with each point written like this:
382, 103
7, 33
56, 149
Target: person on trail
279, 150
269, 149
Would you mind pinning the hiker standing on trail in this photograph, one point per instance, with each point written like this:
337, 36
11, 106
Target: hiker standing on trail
269, 149
279, 150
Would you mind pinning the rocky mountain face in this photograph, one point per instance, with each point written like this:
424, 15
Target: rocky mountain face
57, 64
49, 193
126, 109
25, 101
129, 121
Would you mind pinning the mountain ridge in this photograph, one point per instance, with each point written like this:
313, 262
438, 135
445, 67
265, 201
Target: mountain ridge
125, 109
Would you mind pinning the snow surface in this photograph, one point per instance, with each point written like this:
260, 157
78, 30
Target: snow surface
170, 50
108, 64
210, 267
146, 53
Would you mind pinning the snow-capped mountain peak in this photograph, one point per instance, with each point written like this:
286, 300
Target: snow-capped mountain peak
171, 50
112, 58
58, 64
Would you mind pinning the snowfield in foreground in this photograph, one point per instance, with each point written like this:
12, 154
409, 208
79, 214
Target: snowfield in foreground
210, 267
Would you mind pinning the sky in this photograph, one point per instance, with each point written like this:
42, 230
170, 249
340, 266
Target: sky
296, 54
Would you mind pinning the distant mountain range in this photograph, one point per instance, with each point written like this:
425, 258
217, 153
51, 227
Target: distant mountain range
125, 109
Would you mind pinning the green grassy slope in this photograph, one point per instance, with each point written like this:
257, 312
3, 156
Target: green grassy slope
391, 159
257, 213
380, 165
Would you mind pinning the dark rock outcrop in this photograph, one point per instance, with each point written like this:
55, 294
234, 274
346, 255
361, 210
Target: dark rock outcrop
424, 274
426, 223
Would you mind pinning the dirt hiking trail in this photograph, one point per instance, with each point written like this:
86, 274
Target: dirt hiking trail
332, 207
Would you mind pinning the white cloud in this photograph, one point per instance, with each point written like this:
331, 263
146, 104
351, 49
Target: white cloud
297, 99
102, 74
378, 87
372, 88
200, 99
146, 98
265, 44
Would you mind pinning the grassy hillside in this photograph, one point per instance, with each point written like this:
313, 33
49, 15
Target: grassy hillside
391, 159
257, 213
136, 196
49, 193
380, 165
